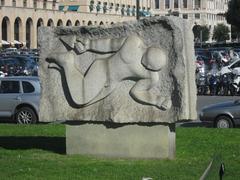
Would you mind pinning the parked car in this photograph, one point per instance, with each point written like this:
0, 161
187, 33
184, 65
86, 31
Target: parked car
222, 115
19, 98
229, 68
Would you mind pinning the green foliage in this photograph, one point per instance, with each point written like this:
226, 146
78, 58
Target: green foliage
233, 13
221, 33
21, 158
235, 32
201, 32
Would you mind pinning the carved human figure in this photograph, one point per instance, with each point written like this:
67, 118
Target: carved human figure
129, 58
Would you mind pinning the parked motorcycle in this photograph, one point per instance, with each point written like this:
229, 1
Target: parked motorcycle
235, 84
227, 84
213, 83
202, 87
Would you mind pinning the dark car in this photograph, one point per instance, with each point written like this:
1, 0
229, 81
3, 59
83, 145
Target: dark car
222, 115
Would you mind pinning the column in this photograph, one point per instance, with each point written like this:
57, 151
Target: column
34, 35
22, 37
11, 31
1, 29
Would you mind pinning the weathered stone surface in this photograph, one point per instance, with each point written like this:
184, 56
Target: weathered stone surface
126, 73
131, 141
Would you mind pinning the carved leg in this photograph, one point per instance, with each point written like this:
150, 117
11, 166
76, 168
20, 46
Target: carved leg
140, 92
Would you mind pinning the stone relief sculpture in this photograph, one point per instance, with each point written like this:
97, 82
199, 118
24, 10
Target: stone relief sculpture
139, 71
130, 59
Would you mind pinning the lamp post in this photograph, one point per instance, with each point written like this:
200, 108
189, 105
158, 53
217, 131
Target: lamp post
137, 9
201, 37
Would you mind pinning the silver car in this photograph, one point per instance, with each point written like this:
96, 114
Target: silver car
222, 115
19, 98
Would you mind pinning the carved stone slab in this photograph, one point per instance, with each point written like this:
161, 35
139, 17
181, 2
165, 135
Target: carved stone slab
130, 72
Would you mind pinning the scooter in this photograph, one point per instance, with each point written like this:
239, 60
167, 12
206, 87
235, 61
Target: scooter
202, 87
227, 84
213, 83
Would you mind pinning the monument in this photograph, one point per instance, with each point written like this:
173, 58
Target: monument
121, 88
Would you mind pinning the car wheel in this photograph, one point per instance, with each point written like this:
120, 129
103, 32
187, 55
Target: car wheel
224, 122
25, 115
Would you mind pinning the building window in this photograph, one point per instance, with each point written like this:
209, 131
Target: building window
98, 7
24, 3
175, 3
157, 4
128, 10
2, 2
197, 16
54, 4
134, 10
197, 4
73, 8
60, 8
167, 4
123, 10
14, 3
35, 4
111, 6
104, 7
184, 3
91, 6
185, 16
117, 7
45, 4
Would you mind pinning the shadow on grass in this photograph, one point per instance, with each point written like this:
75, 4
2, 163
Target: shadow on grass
195, 124
54, 144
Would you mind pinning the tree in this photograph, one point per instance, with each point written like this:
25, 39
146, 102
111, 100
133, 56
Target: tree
221, 33
201, 33
233, 13
235, 33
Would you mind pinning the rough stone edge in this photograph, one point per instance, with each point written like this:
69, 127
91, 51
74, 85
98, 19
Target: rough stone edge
188, 51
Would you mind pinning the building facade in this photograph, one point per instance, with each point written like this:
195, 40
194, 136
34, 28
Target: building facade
198, 12
20, 19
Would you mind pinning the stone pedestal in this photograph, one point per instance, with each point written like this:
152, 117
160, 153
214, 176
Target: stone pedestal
128, 141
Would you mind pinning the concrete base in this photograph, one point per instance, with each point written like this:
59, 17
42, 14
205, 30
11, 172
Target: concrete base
130, 141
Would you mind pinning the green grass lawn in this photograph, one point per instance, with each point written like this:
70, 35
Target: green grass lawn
38, 152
